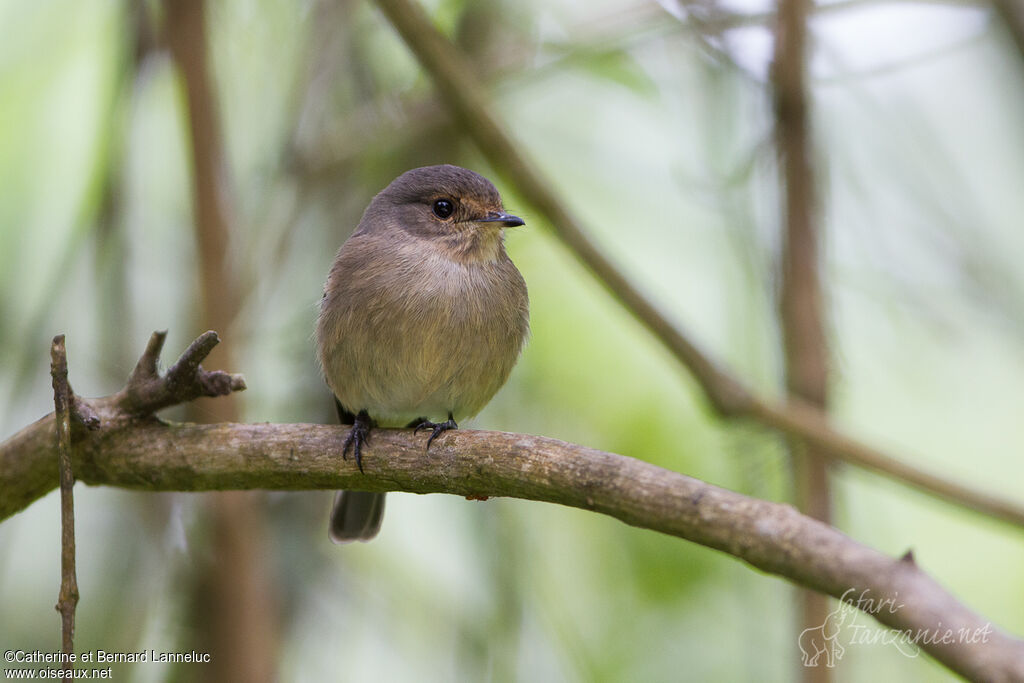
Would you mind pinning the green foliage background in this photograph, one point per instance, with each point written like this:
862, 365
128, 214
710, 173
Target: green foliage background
658, 132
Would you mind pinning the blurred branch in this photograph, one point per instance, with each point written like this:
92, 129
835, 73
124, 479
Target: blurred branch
468, 103
67, 599
1012, 12
715, 18
800, 306
232, 593
394, 120
186, 36
133, 449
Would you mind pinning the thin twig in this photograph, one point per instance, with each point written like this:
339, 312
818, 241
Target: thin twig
62, 403
468, 103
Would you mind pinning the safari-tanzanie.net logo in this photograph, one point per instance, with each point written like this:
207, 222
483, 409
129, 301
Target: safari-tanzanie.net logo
846, 626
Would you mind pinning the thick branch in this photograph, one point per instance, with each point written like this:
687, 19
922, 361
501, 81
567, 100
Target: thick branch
133, 449
150, 455
467, 102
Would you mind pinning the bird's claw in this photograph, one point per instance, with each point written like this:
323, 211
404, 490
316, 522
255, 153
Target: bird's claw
437, 427
358, 436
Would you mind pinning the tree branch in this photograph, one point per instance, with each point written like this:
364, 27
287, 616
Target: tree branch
147, 392
232, 594
138, 451
27, 473
63, 405
467, 101
800, 295
154, 456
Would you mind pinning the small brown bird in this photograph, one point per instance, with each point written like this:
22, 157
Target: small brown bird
423, 316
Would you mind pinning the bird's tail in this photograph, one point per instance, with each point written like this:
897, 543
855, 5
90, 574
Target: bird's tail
356, 516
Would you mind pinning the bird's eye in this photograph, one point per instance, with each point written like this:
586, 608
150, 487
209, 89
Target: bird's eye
443, 208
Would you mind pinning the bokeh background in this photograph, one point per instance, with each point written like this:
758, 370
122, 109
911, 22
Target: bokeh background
654, 123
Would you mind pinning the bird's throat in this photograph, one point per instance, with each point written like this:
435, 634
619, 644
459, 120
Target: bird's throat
474, 245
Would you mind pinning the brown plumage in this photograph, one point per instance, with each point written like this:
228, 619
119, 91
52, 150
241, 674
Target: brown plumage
423, 315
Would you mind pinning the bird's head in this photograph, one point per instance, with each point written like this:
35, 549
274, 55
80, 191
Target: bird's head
458, 209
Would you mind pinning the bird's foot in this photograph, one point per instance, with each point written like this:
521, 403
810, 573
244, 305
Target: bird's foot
437, 427
358, 436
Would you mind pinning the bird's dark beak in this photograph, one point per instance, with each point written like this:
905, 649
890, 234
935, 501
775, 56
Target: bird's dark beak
506, 219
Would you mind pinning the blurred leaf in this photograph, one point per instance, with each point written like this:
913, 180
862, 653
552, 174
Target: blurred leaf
613, 65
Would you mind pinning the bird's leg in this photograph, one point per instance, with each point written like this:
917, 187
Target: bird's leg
357, 437
438, 427
344, 416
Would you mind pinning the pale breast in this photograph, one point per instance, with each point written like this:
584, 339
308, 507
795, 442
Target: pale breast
418, 335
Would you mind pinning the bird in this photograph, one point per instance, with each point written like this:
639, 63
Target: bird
423, 317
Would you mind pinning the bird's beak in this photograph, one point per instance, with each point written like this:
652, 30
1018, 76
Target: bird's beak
506, 219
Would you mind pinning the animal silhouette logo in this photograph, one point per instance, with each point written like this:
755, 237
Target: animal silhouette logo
824, 640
